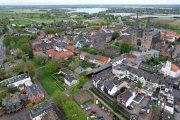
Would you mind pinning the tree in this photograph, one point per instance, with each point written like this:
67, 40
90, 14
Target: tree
101, 50
115, 35
139, 84
18, 53
30, 69
70, 108
124, 47
52, 66
41, 58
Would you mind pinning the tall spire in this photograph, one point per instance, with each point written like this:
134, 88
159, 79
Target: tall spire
136, 24
148, 24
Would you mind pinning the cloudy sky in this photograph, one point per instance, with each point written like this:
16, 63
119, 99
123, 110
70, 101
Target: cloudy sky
62, 2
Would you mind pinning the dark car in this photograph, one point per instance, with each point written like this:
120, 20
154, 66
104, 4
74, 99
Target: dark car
129, 107
100, 118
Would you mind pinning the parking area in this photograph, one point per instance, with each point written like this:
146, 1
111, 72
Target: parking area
143, 115
100, 112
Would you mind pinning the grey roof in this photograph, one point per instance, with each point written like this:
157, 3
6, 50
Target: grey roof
176, 94
69, 78
79, 70
126, 94
108, 85
40, 108
117, 59
91, 57
96, 70
33, 90
16, 78
147, 67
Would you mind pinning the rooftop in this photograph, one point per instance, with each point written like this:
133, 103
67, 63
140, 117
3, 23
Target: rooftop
16, 78
40, 108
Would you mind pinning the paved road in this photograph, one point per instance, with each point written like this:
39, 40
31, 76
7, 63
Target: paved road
2, 49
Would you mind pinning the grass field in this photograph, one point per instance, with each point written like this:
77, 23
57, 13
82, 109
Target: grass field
49, 83
169, 21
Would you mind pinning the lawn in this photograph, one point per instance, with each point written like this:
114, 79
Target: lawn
49, 83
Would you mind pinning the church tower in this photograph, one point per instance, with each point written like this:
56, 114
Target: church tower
141, 38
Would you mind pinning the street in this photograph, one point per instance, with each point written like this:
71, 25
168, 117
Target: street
2, 49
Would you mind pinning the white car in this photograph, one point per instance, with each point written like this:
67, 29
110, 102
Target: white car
162, 105
159, 103
82, 106
88, 108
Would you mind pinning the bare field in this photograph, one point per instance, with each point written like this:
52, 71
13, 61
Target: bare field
170, 21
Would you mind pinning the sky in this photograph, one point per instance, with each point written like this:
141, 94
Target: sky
73, 2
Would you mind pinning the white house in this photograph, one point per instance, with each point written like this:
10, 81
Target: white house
109, 87
69, 80
126, 98
169, 107
171, 70
18, 80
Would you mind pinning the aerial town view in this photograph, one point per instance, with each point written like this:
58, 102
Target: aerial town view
89, 60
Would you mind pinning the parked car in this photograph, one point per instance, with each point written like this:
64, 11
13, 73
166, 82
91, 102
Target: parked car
141, 111
88, 108
92, 116
82, 106
100, 118
162, 105
159, 103
129, 107
93, 111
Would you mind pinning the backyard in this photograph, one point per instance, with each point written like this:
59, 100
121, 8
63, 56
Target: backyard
50, 82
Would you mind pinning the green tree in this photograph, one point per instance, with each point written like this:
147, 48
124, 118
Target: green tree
52, 66
18, 53
139, 84
124, 47
70, 108
41, 58
115, 35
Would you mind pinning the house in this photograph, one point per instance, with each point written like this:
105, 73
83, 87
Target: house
79, 70
109, 88
170, 69
176, 52
81, 43
14, 102
18, 80
59, 55
87, 57
34, 93
170, 36
169, 107
39, 111
126, 98
69, 80
100, 60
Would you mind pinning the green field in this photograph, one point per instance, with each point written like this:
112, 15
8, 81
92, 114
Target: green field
49, 83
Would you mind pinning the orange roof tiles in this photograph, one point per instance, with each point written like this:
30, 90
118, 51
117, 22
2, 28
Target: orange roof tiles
60, 55
84, 54
70, 48
174, 67
101, 59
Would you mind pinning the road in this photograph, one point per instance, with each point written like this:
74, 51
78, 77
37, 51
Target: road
2, 49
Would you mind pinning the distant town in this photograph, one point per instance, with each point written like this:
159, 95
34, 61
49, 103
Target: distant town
89, 63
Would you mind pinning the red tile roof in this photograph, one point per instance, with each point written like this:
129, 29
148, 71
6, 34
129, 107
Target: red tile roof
84, 54
59, 55
165, 54
174, 67
169, 34
101, 59
70, 48
66, 40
